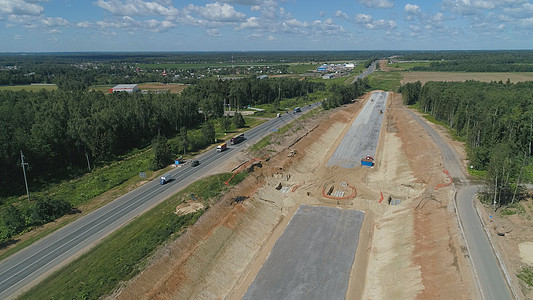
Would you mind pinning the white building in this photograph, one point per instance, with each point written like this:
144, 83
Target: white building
130, 88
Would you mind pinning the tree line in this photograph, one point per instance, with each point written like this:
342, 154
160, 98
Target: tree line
496, 121
344, 94
59, 131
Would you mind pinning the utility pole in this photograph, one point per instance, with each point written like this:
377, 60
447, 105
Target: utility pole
88, 163
24, 171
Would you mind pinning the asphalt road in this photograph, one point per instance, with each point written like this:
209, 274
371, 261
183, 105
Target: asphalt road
367, 72
25, 268
363, 136
490, 277
313, 257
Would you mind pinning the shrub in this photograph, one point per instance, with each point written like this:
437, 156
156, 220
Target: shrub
48, 209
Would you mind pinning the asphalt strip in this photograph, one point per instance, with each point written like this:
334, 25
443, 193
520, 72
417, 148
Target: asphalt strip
313, 257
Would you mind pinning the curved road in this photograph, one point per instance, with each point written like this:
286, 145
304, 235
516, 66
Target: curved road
490, 278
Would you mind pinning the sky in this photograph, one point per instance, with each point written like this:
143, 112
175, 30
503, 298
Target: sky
259, 25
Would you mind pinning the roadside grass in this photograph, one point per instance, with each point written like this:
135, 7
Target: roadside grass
123, 254
262, 143
513, 209
29, 87
526, 275
479, 174
267, 140
116, 178
386, 81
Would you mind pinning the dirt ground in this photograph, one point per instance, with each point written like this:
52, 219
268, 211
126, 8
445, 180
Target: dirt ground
412, 250
463, 76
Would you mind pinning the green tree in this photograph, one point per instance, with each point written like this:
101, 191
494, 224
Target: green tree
208, 133
162, 154
12, 221
238, 120
226, 123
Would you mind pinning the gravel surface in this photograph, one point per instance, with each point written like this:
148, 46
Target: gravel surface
362, 137
313, 257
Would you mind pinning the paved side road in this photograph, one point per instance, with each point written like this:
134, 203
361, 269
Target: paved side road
491, 280
313, 257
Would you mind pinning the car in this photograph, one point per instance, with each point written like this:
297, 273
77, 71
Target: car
195, 163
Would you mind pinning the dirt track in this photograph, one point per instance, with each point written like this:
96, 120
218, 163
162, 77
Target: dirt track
407, 251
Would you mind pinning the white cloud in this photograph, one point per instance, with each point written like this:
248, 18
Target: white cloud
215, 12
130, 24
377, 3
412, 9
271, 38
381, 24
213, 32
341, 14
137, 7
362, 18
55, 31
20, 7
83, 24
527, 22
295, 23
54, 22
247, 2
250, 23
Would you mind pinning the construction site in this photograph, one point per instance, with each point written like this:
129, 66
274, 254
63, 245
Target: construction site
355, 203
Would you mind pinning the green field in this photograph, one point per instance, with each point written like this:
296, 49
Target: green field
302, 68
409, 65
387, 81
31, 88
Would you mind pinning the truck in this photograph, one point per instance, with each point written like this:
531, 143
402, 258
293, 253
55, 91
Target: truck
297, 110
222, 147
237, 139
164, 179
367, 161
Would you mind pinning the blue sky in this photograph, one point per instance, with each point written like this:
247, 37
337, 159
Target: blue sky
250, 25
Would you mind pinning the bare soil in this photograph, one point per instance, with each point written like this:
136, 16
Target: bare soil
406, 251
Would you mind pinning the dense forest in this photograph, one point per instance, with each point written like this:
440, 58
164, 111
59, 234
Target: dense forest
475, 61
59, 130
496, 121
61, 133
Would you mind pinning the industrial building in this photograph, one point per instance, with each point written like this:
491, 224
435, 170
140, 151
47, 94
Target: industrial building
130, 88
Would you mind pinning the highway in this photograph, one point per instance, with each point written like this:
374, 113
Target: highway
25, 268
489, 276
22, 270
363, 135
